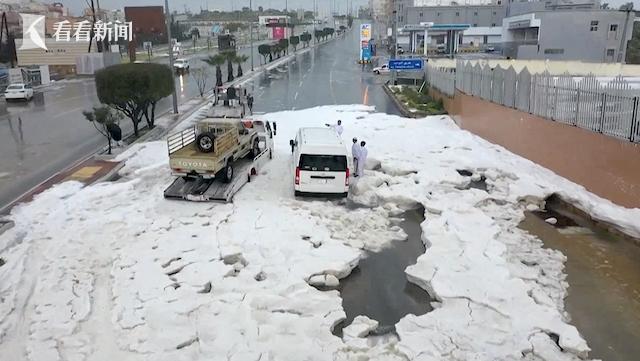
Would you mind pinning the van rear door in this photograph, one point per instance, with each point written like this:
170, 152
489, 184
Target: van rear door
323, 173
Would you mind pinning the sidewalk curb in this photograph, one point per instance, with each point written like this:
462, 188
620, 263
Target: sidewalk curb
401, 107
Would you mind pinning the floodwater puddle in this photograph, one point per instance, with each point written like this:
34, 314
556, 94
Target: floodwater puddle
603, 272
378, 287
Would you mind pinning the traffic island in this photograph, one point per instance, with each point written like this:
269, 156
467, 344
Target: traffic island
414, 102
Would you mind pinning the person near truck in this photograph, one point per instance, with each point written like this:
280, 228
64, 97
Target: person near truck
355, 150
250, 102
362, 158
338, 127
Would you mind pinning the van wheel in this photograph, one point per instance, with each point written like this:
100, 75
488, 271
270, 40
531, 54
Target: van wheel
205, 142
376, 72
227, 176
297, 193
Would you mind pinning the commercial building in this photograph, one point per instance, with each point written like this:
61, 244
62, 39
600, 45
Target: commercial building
148, 23
588, 35
475, 15
278, 25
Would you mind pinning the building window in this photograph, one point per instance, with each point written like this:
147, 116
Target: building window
493, 25
494, 13
611, 52
457, 13
475, 13
594, 25
475, 25
554, 51
613, 27
499, 2
437, 14
421, 14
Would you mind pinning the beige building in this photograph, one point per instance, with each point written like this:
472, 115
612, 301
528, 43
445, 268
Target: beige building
60, 55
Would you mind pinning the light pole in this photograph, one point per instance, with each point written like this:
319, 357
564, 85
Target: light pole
395, 41
174, 96
251, 31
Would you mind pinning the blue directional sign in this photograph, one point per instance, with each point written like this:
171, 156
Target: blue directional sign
405, 64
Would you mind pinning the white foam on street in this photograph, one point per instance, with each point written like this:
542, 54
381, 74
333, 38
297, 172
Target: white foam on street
115, 271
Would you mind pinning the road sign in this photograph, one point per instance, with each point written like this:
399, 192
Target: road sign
405, 64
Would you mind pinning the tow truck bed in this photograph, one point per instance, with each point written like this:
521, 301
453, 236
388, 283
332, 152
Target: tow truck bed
212, 190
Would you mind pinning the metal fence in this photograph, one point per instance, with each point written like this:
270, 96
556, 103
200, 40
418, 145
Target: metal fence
443, 79
609, 107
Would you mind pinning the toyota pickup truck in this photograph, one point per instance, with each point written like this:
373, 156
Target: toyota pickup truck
210, 148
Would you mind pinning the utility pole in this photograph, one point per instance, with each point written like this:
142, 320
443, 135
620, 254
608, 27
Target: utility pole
174, 96
251, 31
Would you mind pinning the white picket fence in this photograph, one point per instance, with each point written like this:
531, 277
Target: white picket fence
610, 108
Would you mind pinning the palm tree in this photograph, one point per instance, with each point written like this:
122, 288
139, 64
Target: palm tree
240, 59
217, 61
229, 56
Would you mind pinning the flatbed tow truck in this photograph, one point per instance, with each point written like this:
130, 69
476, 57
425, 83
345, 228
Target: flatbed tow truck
215, 158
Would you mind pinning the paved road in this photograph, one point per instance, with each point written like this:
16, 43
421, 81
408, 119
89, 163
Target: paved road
326, 75
42, 137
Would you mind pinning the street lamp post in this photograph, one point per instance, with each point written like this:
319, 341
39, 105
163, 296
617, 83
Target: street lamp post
174, 96
251, 32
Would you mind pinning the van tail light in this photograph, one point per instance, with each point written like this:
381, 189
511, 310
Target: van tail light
346, 180
297, 175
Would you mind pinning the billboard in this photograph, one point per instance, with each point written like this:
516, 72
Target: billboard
365, 38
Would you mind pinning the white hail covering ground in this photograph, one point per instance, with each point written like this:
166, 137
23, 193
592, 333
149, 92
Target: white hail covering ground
116, 272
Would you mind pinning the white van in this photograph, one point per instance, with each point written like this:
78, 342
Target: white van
320, 162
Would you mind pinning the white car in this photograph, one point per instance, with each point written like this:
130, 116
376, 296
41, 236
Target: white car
181, 65
320, 162
381, 69
18, 91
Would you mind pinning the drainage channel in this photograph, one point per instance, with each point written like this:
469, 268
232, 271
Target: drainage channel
603, 272
378, 287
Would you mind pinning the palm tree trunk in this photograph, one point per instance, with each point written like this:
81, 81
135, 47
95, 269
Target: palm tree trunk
240, 70
218, 76
229, 71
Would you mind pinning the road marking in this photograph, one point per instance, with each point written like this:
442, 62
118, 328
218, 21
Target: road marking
296, 96
300, 85
365, 99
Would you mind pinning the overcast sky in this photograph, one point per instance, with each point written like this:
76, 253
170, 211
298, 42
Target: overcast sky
194, 5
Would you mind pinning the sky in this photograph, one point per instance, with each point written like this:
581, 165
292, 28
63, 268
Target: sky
194, 5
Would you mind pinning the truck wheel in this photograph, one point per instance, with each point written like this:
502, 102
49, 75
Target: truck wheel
205, 142
227, 176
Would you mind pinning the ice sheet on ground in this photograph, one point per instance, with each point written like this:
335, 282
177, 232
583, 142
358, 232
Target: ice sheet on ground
115, 271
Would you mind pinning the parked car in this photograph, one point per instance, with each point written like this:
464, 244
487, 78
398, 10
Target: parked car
18, 91
381, 69
320, 161
181, 64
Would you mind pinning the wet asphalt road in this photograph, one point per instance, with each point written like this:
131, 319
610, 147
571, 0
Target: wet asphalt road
40, 138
